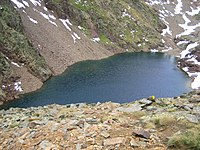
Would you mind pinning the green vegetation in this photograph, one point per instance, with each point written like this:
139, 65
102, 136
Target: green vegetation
128, 24
187, 140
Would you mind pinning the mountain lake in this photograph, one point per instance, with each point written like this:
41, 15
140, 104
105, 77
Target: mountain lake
120, 78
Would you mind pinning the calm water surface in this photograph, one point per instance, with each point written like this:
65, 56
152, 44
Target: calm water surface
121, 78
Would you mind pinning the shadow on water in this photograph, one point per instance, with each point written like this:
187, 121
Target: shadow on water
121, 78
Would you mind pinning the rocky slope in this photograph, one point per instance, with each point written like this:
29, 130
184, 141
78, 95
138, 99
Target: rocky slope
181, 37
156, 124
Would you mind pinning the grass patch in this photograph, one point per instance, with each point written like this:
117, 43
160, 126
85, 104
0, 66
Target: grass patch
135, 115
187, 140
104, 39
164, 120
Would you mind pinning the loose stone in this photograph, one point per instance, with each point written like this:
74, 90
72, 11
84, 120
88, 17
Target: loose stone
141, 133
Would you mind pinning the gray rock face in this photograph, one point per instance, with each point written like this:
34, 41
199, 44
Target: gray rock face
191, 118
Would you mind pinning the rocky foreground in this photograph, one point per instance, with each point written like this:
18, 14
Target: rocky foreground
145, 124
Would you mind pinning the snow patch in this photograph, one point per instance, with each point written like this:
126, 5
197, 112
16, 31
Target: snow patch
32, 20
44, 15
67, 20
48, 18
178, 7
167, 30
185, 69
53, 23
74, 38
35, 2
18, 4
182, 42
76, 35
25, 3
97, 39
167, 49
154, 50
193, 59
52, 17
24, 11
163, 41
196, 75
194, 11
17, 86
188, 29
65, 24
45, 9
186, 52
196, 83
16, 64
81, 28
154, 2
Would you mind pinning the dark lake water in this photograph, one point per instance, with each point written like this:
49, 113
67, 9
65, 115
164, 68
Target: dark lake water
121, 78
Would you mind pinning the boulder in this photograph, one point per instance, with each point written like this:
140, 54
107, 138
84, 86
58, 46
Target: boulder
141, 133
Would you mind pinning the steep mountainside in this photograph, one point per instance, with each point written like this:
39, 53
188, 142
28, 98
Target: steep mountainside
41, 38
16, 50
131, 25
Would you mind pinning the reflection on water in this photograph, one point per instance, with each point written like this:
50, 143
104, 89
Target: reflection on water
120, 78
